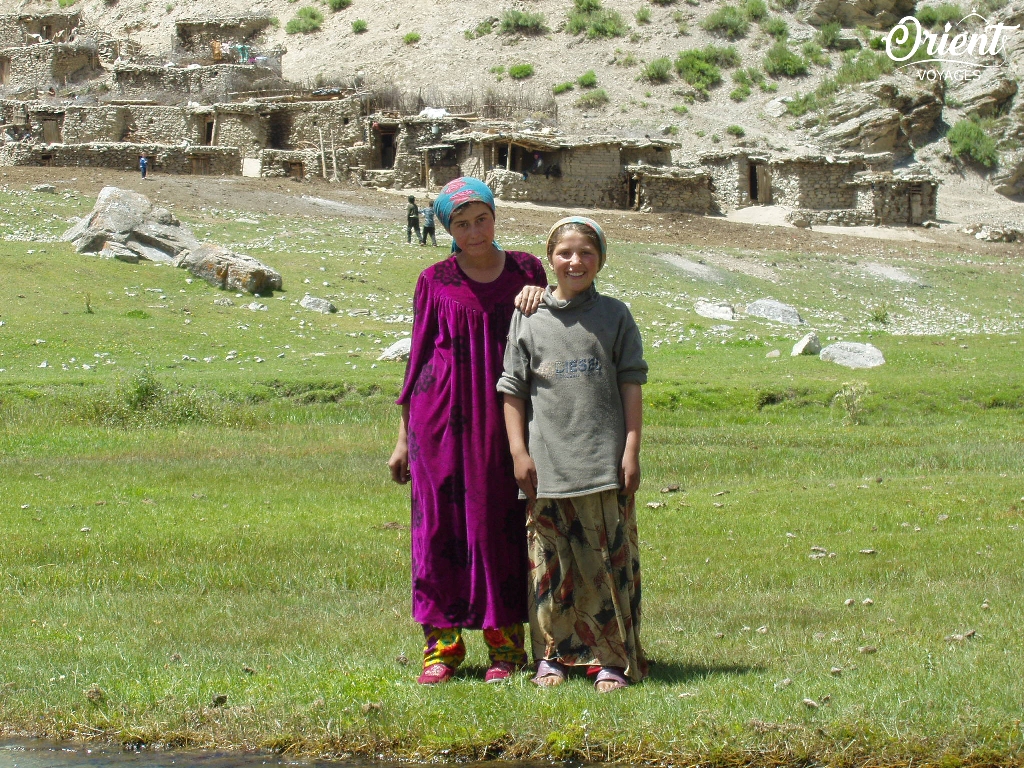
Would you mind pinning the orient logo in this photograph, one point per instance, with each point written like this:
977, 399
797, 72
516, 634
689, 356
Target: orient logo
954, 46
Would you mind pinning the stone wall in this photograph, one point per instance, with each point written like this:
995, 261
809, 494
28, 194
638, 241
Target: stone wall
296, 164
87, 124
193, 83
675, 194
42, 66
195, 35
730, 180
816, 185
124, 156
244, 130
310, 117
21, 29
473, 159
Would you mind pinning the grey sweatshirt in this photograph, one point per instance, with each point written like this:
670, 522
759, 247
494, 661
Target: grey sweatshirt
568, 360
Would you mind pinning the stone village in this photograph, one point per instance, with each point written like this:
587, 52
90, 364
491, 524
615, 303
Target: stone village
217, 104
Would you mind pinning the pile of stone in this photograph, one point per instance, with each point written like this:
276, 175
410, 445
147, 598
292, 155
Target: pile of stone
1004, 233
124, 225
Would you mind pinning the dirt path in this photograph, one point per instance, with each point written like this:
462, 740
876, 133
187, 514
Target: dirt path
320, 199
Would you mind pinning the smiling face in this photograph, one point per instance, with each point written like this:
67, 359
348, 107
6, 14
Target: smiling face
575, 260
472, 227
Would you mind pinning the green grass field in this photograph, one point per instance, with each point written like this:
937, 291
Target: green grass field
194, 502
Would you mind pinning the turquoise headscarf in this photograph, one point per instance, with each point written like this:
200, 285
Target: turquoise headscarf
589, 223
457, 193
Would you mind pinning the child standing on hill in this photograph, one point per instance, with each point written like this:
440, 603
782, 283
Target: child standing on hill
412, 219
469, 563
573, 376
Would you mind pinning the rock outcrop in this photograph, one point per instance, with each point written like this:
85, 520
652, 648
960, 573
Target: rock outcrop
770, 309
851, 354
125, 226
876, 14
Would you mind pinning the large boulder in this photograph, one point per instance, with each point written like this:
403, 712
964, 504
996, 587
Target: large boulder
714, 311
229, 270
876, 14
852, 354
398, 351
770, 309
985, 96
808, 345
315, 304
116, 213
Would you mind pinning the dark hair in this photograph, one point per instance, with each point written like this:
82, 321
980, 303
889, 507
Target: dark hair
573, 226
412, 198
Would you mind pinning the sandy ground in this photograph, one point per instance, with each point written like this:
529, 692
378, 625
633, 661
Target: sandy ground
185, 194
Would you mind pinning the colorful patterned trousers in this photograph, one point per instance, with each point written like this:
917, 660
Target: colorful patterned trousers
444, 645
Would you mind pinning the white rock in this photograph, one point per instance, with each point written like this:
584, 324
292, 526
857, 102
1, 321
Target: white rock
808, 345
714, 311
398, 351
774, 353
315, 304
852, 354
770, 309
256, 307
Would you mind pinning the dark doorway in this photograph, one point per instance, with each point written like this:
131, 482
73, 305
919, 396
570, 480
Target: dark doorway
208, 133
752, 168
634, 186
200, 166
279, 130
387, 147
5, 70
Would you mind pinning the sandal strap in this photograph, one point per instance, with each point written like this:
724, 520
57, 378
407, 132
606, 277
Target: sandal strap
612, 675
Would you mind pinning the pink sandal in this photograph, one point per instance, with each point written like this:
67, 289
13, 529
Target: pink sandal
436, 673
550, 668
614, 675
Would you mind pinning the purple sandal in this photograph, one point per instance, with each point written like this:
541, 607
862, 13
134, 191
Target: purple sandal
551, 670
614, 675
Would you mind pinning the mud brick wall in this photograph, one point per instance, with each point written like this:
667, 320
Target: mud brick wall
590, 176
473, 159
42, 66
248, 132
665, 194
123, 156
818, 185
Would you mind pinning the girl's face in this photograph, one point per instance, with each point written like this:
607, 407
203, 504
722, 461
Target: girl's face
472, 227
575, 261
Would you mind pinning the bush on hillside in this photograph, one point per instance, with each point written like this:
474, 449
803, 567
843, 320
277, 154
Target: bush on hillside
828, 35
776, 27
592, 99
587, 80
307, 19
562, 88
939, 16
754, 10
522, 22
338, 5
411, 38
643, 15
968, 139
657, 71
729, 22
781, 61
359, 26
520, 71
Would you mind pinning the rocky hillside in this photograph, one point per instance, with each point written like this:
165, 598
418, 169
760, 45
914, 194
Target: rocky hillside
789, 82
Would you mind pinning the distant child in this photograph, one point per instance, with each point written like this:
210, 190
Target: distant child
428, 224
412, 219
143, 165
572, 381
469, 563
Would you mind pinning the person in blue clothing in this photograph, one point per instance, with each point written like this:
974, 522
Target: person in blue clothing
428, 224
143, 165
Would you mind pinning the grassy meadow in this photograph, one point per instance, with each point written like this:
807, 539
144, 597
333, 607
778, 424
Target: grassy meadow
200, 545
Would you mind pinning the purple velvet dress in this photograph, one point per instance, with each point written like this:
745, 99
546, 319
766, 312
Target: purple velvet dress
469, 562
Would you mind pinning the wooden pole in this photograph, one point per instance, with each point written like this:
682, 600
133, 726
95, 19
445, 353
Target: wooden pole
334, 158
426, 169
508, 160
323, 156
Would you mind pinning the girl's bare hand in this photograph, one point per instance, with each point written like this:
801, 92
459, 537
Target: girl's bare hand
526, 475
629, 474
529, 299
399, 463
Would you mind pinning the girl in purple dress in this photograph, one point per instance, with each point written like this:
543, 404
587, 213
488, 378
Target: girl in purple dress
469, 561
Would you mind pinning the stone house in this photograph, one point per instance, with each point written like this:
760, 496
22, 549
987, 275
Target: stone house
670, 189
28, 28
217, 38
205, 84
45, 65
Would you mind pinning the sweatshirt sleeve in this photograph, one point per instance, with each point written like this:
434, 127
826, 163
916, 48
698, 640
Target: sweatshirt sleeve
424, 331
629, 352
515, 379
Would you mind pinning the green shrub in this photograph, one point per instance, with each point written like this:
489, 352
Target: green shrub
787, 5
744, 80
307, 19
520, 71
338, 5
701, 67
624, 58
587, 80
562, 88
588, 16
663, 2
776, 27
876, 43
657, 71
728, 21
411, 38
813, 53
497, 69
736, 130
862, 68
643, 15
801, 104
592, 99
781, 61
682, 23
680, 109
967, 138
522, 22
754, 10
359, 26
828, 35
938, 16
485, 27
